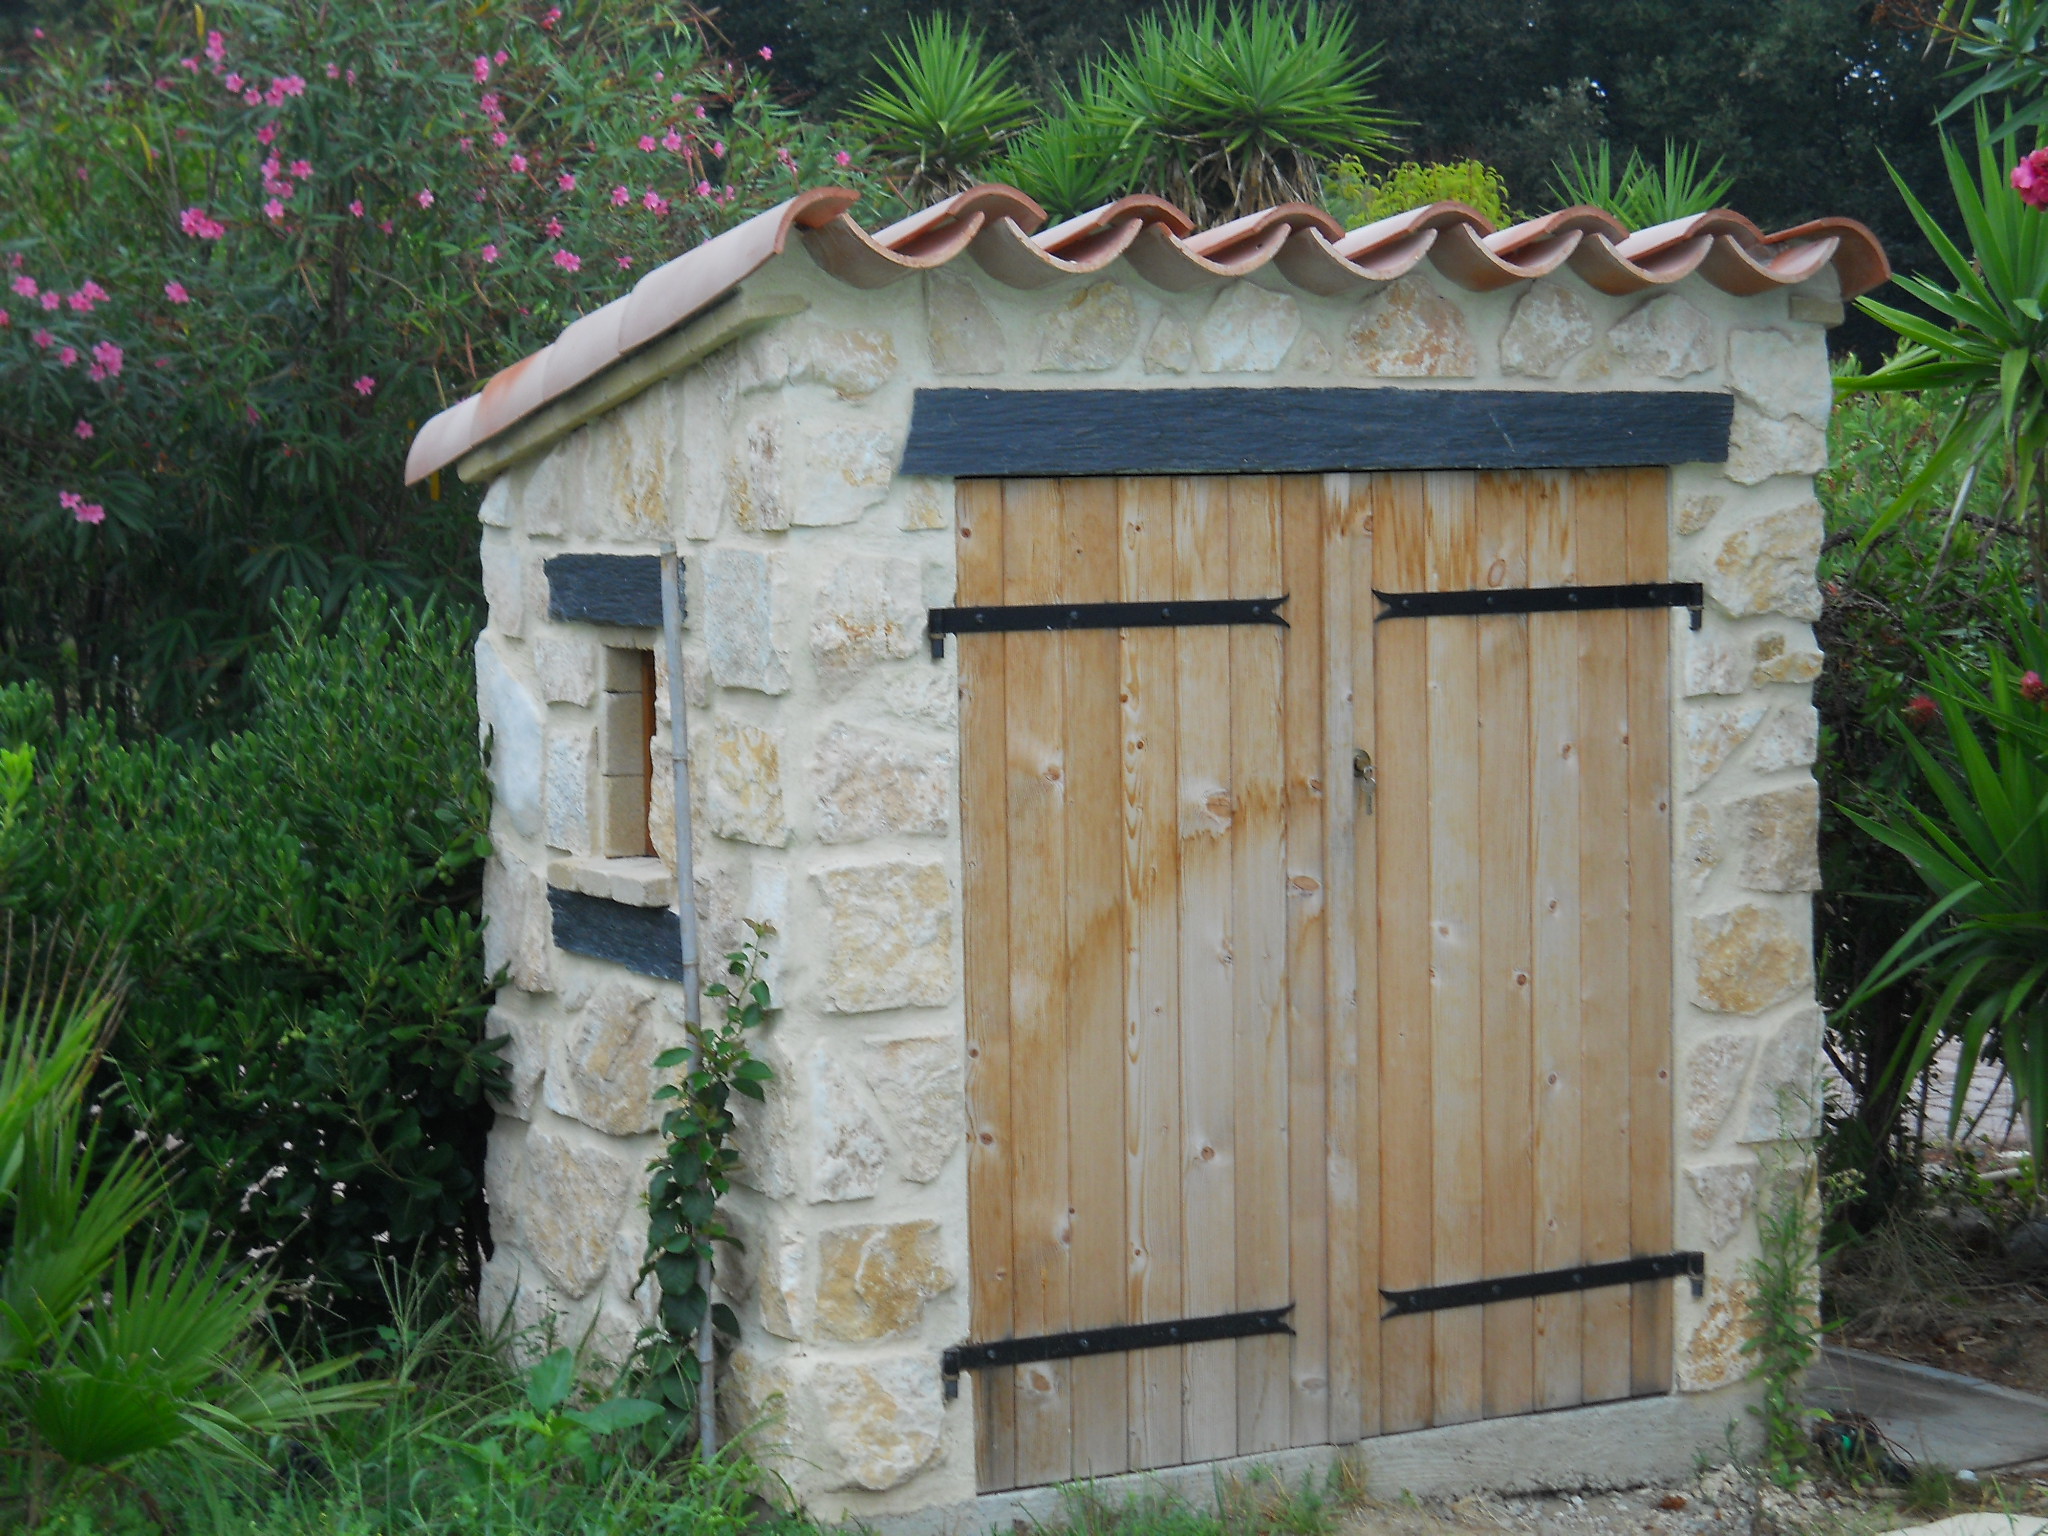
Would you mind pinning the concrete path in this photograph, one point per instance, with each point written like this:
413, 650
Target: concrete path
1980, 1525
1936, 1417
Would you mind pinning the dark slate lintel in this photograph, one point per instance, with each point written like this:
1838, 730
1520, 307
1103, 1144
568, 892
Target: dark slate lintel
993, 432
644, 939
605, 589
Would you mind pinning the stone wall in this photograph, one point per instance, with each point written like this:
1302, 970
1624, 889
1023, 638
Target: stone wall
825, 747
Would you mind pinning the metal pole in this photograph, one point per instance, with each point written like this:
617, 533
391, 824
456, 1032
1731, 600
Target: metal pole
686, 922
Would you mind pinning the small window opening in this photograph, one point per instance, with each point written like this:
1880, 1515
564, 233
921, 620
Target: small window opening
628, 751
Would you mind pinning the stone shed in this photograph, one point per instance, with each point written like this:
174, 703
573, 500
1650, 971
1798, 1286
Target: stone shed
1278, 760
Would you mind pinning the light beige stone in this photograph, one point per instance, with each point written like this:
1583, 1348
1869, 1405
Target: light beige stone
1713, 1355
510, 719
871, 610
1700, 852
516, 925
525, 1057
1409, 330
1171, 348
855, 361
1724, 1191
1781, 376
566, 667
1748, 958
761, 362
575, 1196
1789, 739
873, 1281
930, 697
918, 1084
1695, 512
1785, 1098
871, 784
924, 504
1767, 565
603, 1072
1666, 338
504, 576
1779, 835
882, 1418
965, 337
754, 477
1811, 309
1714, 664
848, 1153
1248, 329
1709, 733
739, 771
889, 935
850, 470
512, 1296
768, 1132
1312, 354
1713, 1079
1759, 447
571, 753
1776, 662
740, 588
1093, 330
778, 1281
1549, 326
497, 509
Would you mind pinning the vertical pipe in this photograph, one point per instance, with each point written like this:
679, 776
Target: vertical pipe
686, 922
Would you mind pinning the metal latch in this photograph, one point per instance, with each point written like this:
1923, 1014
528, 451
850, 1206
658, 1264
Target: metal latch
1362, 770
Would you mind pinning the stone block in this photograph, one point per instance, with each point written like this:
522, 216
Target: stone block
739, 620
1779, 835
889, 935
1410, 331
1248, 329
1811, 309
739, 781
1549, 326
1171, 347
1713, 1080
768, 1133
511, 718
1695, 512
871, 610
1785, 1099
1767, 565
873, 1281
1093, 330
1724, 1191
965, 337
1778, 662
855, 361
1699, 852
1713, 1354
776, 1276
517, 929
918, 1084
1312, 354
1781, 376
1759, 447
923, 504
603, 1069
1709, 733
930, 697
849, 472
504, 577
574, 1197
525, 1056
761, 362
1748, 958
566, 801
848, 1153
754, 476
567, 668
1789, 739
870, 784
882, 1419
496, 509
1714, 664
1666, 338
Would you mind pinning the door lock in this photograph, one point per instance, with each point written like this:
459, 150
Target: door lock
1362, 770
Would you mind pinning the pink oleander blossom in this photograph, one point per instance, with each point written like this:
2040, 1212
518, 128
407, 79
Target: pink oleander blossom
501, 58
568, 261
190, 66
216, 47
267, 134
289, 85
303, 169
549, 22
25, 285
842, 159
67, 356
85, 511
334, 71
718, 150
175, 292
703, 189
500, 139
83, 431
519, 164
647, 143
621, 197
233, 85
349, 76
5, 319
2030, 179
767, 52
553, 229
425, 198
42, 338
355, 208
384, 226
252, 97
273, 210
489, 105
197, 223
625, 262
365, 386
481, 69
566, 181
50, 299
2032, 689
672, 142
489, 254
109, 357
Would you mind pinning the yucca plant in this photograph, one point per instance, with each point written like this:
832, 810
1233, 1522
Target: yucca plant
1641, 193
943, 109
1072, 161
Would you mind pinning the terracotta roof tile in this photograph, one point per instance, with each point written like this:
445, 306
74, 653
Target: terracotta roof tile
1000, 228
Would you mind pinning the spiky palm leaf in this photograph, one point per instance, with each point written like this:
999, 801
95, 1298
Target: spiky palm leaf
944, 109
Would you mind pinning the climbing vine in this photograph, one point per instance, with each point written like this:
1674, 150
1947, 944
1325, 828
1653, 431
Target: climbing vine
694, 1169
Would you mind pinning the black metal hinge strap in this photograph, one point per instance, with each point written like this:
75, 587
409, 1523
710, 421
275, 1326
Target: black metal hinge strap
1016, 617
1642, 594
1110, 1341
1549, 1282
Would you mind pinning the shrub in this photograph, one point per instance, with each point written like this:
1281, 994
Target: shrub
1357, 196
298, 908
1641, 193
942, 111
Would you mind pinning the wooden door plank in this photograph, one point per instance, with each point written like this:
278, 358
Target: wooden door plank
1457, 1127
984, 828
1151, 857
1363, 1303
1554, 940
1601, 507
1401, 711
1308, 682
1207, 1053
1095, 962
1649, 955
1035, 679
1505, 508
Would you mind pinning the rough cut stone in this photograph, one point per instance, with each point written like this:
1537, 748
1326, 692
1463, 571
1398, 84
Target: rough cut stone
739, 609
1093, 330
882, 1418
1708, 733
1247, 330
1759, 447
1778, 663
495, 510
848, 1153
768, 1133
1780, 376
1785, 1097
754, 477
1550, 326
1695, 512
1700, 853
850, 470
1779, 834
504, 575
1811, 309
740, 780
525, 1055
511, 719
924, 504
869, 784
1171, 348
918, 1085
1714, 664
575, 1196
1724, 1191
1312, 354
873, 1281
1747, 959
872, 610
1790, 739
856, 361
1713, 1354
761, 362
1713, 1079
889, 935
516, 925
567, 669
1411, 331
570, 753
603, 1073
778, 1282
1767, 566
965, 337
1667, 339
931, 697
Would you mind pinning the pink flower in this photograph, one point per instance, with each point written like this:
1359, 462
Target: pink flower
477, 195
70, 501
554, 229
501, 58
216, 47
703, 189
676, 99
334, 71
197, 223
252, 97
500, 139
481, 69
767, 52
519, 163
568, 261
647, 143
5, 319
465, 144
2030, 179
83, 431
842, 159
624, 262
2032, 689
1921, 711
548, 22
234, 84
365, 386
718, 150
700, 114
91, 512
620, 197
566, 181
302, 169
489, 106
175, 292
51, 298
267, 133
384, 225
489, 254
289, 85
189, 65
86, 297
356, 208
109, 357
425, 198
42, 338
24, 285
650, 199
273, 210
67, 356
350, 76
672, 141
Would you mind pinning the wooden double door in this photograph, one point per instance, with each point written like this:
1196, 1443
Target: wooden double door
1313, 962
